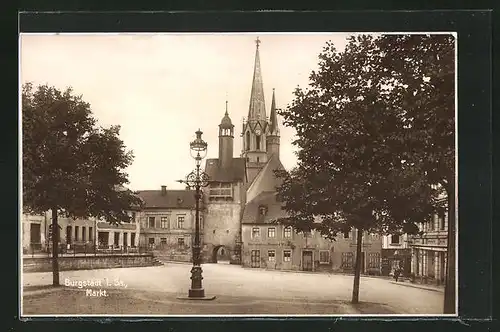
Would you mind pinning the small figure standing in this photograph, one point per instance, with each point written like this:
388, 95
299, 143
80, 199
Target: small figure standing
397, 273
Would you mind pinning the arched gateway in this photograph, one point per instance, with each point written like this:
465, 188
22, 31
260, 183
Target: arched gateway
221, 254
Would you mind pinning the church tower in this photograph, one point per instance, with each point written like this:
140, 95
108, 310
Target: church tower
273, 134
255, 127
226, 140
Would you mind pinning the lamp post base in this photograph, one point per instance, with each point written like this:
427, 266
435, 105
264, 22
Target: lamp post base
196, 294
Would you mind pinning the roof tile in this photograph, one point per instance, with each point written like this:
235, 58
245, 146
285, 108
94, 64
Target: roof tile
172, 199
267, 199
236, 172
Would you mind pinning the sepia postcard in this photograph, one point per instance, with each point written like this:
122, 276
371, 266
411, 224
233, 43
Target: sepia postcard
238, 174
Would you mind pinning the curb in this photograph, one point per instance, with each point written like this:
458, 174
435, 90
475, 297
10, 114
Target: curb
174, 262
319, 272
418, 286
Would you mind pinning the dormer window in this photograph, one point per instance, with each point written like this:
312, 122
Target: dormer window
262, 211
395, 239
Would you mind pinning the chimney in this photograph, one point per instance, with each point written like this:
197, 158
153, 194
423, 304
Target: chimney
163, 190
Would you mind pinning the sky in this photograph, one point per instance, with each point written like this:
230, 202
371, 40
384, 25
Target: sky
160, 88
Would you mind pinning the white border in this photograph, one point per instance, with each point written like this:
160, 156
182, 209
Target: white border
367, 316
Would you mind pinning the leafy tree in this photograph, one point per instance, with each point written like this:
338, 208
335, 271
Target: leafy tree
424, 76
70, 165
356, 138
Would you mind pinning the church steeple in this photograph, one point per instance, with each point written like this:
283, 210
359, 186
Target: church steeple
257, 109
273, 120
273, 135
255, 128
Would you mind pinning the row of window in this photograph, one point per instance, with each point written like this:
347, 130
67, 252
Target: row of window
164, 222
438, 223
103, 239
373, 260
221, 192
76, 235
271, 232
353, 235
287, 233
324, 256
257, 142
271, 255
163, 241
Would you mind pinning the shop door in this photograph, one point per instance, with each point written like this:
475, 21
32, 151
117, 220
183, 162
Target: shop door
69, 234
255, 258
307, 260
35, 237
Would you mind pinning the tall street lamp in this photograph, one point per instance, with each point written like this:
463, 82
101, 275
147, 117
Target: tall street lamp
197, 179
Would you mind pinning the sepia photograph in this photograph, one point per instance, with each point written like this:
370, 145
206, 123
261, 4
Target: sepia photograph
238, 174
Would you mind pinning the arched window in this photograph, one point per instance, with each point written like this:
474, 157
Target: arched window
248, 141
257, 140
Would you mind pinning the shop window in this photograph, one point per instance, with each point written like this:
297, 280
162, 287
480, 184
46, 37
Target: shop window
324, 257
374, 260
347, 260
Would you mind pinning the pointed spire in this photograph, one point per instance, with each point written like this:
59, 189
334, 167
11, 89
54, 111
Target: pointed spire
226, 105
226, 120
273, 120
257, 109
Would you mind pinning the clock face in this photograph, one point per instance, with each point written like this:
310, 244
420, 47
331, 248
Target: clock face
257, 131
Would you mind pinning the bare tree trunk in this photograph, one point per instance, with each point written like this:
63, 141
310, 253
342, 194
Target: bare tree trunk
55, 248
357, 269
449, 290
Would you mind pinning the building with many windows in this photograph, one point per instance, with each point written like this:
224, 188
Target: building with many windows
429, 250
123, 237
167, 222
78, 235
273, 246
74, 234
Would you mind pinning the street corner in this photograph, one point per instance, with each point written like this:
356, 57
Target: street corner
420, 286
